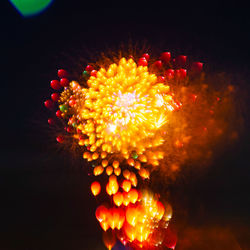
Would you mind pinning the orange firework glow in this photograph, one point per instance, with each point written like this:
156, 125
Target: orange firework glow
95, 188
130, 118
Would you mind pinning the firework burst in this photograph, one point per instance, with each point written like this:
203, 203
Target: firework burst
130, 118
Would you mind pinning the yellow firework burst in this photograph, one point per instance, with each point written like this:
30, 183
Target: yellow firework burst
123, 109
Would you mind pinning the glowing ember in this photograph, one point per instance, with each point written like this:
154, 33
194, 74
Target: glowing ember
125, 123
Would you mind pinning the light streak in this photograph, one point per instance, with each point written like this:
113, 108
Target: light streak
122, 122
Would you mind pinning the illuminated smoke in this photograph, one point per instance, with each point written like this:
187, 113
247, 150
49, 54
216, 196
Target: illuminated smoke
132, 118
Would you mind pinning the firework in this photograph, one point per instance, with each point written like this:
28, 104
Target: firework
129, 118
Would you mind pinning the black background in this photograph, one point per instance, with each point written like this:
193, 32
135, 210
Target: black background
45, 202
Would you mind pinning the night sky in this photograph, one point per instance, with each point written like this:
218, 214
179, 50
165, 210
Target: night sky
45, 201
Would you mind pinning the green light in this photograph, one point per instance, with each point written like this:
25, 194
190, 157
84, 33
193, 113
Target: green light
85, 73
64, 108
30, 7
134, 155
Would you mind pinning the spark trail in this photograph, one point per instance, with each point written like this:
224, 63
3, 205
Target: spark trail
130, 118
